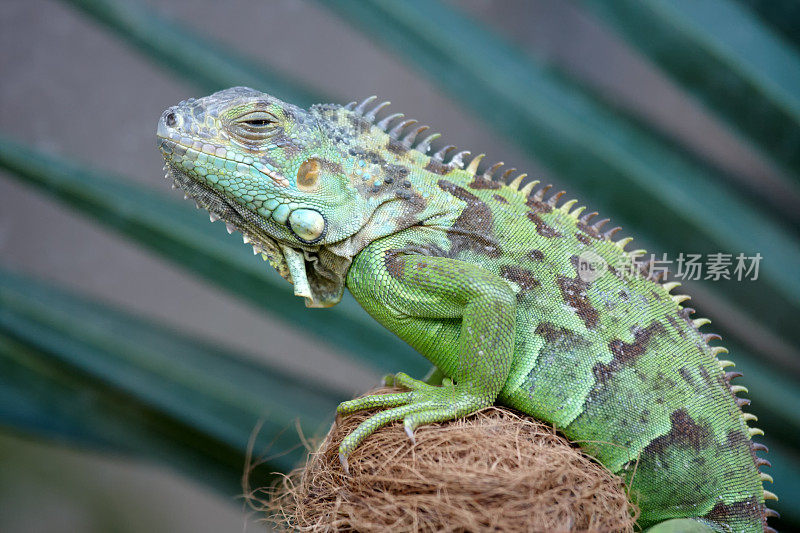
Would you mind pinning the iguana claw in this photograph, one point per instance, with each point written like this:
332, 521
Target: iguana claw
425, 404
410, 433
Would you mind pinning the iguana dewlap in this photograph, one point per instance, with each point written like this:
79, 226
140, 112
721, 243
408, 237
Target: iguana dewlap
484, 277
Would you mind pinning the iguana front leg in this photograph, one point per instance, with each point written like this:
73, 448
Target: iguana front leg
458, 315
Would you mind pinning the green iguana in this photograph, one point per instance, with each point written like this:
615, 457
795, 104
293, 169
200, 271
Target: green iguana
485, 277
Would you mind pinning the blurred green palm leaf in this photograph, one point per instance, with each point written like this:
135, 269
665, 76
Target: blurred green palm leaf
82, 372
733, 64
662, 192
782, 15
206, 64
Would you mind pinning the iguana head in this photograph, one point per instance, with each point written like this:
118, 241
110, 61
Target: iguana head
295, 182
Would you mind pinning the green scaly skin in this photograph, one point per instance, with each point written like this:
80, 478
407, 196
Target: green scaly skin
482, 278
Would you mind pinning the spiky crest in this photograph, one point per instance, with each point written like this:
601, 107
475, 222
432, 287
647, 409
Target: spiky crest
472, 167
370, 112
528, 189
441, 154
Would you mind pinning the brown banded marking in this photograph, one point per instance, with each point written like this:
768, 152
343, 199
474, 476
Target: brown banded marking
534, 197
536, 205
542, 228
587, 230
707, 379
472, 230
562, 336
522, 277
574, 291
684, 432
737, 511
396, 147
676, 325
689, 379
626, 353
536, 255
499, 198
437, 167
735, 438
482, 183
393, 263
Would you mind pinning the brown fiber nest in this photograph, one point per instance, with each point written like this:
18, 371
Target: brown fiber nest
493, 471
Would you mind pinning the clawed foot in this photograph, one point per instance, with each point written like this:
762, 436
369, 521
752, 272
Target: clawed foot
424, 404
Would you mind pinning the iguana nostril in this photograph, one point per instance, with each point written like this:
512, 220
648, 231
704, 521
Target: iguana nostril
170, 119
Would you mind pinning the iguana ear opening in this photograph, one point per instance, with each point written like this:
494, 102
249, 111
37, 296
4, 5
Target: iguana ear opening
308, 175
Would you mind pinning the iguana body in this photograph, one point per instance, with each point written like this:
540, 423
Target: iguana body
482, 278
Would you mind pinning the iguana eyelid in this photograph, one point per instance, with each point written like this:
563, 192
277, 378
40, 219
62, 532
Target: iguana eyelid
249, 131
257, 116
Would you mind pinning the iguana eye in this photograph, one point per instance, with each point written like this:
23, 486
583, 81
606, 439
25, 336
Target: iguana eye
256, 122
255, 127
257, 119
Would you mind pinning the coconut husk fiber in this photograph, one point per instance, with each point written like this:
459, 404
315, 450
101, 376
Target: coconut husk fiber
495, 470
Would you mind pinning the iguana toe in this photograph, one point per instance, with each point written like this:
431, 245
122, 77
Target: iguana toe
371, 402
425, 404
